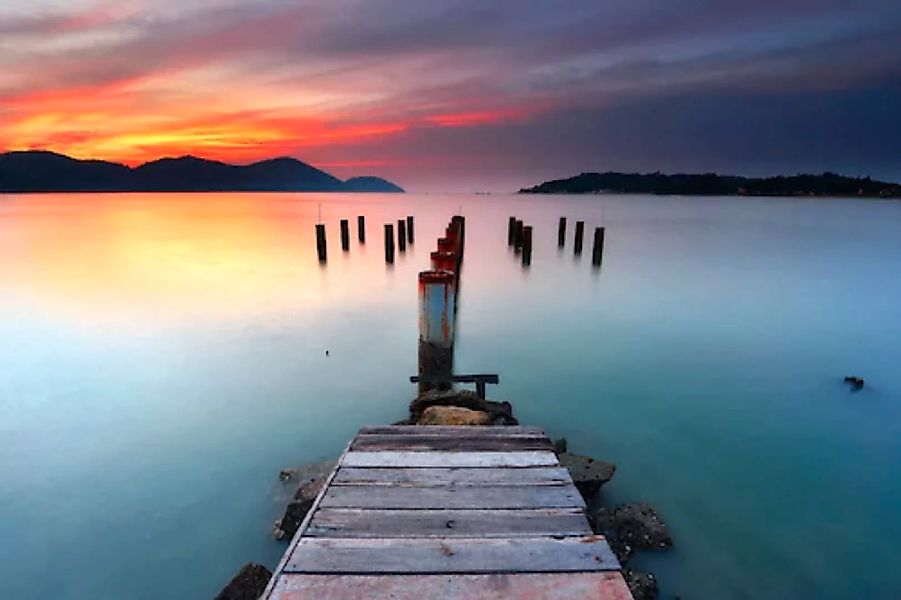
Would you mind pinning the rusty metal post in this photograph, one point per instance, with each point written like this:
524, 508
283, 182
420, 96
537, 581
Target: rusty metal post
320, 242
511, 231
389, 243
527, 245
561, 232
444, 261
361, 229
401, 235
597, 251
580, 231
437, 298
410, 236
345, 235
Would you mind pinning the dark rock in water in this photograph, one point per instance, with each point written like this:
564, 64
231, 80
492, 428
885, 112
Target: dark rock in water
642, 585
248, 584
855, 382
560, 446
631, 527
311, 478
588, 474
287, 526
499, 413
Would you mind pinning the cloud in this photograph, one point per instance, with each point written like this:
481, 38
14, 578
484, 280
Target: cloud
434, 82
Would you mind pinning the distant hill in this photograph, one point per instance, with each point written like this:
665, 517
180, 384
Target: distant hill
40, 171
370, 184
711, 184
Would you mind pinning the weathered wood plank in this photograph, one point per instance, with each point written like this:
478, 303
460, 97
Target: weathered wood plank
449, 459
469, 497
549, 586
455, 430
369, 523
451, 555
461, 476
449, 443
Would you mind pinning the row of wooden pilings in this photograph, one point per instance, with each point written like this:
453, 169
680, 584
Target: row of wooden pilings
404, 236
438, 293
519, 236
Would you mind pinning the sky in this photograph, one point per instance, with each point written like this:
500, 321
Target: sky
461, 95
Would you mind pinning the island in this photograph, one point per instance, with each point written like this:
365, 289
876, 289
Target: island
712, 184
42, 171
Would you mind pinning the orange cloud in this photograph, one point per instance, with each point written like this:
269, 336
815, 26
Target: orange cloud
485, 117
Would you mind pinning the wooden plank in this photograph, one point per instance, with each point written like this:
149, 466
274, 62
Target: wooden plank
368, 523
608, 585
455, 430
462, 476
469, 497
449, 459
450, 443
451, 555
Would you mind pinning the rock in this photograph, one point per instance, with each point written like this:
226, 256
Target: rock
295, 512
560, 446
631, 527
453, 415
855, 382
642, 585
298, 508
248, 584
307, 473
588, 474
500, 413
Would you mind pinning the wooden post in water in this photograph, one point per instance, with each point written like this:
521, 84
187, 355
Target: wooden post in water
410, 235
320, 242
389, 243
580, 231
511, 231
527, 245
459, 222
517, 236
361, 229
401, 235
345, 235
597, 251
436, 329
561, 232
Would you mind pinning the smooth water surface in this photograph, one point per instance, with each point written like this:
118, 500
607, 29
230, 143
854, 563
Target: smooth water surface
163, 357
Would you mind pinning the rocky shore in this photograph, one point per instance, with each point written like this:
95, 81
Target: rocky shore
628, 528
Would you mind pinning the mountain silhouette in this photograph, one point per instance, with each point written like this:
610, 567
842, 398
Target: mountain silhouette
42, 171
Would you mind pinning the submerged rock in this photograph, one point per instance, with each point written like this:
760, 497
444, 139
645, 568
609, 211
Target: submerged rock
499, 413
453, 415
855, 381
642, 585
248, 584
311, 478
631, 527
588, 474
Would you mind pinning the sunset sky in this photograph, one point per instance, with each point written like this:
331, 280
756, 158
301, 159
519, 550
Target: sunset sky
460, 95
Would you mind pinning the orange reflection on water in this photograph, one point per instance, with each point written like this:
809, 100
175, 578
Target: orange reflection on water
179, 255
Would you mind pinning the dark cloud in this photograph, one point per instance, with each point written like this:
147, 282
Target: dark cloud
646, 84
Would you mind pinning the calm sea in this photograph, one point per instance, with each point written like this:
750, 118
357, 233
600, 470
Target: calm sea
162, 357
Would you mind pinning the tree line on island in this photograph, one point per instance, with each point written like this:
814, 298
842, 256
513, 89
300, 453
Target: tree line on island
42, 171
712, 184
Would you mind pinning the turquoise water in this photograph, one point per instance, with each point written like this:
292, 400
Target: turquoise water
163, 358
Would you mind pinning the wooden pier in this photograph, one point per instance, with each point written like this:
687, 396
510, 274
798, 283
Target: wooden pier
415, 512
